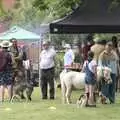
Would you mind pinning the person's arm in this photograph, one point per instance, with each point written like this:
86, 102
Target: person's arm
95, 70
100, 60
117, 62
19, 57
84, 66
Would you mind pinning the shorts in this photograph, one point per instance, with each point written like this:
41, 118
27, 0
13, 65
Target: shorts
6, 78
90, 81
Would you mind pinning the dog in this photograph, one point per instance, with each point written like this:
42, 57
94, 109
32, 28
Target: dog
102, 99
20, 86
81, 102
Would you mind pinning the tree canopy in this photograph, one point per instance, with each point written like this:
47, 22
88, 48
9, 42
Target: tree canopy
34, 12
29, 13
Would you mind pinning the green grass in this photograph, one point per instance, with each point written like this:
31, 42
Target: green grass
39, 110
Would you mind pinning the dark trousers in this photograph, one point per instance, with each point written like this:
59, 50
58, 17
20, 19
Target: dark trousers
108, 90
47, 78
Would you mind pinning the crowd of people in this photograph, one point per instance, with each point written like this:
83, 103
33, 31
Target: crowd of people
102, 53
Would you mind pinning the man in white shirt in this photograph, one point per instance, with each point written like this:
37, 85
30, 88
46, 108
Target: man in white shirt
47, 65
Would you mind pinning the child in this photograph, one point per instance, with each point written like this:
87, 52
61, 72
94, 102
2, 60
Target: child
90, 68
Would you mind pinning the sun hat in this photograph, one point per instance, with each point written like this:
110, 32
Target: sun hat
5, 44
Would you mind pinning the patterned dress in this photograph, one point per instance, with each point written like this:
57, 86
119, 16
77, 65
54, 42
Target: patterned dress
6, 75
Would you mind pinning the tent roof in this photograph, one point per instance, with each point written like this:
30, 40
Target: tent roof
18, 33
94, 16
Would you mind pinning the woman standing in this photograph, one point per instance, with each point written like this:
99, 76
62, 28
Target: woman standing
90, 68
6, 76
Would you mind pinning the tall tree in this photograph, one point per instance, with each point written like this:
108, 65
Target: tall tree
58, 8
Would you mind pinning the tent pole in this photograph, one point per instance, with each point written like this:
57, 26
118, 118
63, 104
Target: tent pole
39, 48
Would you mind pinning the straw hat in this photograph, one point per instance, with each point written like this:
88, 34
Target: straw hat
5, 44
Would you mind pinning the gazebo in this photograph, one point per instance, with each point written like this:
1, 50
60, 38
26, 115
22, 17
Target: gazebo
93, 16
19, 33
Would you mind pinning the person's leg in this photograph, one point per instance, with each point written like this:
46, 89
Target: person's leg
112, 89
43, 85
105, 89
87, 93
116, 84
9, 87
51, 83
2, 88
91, 97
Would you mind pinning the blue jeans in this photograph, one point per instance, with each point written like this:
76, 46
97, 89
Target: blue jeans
108, 90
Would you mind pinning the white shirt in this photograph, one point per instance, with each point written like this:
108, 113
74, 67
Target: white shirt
68, 58
47, 58
92, 64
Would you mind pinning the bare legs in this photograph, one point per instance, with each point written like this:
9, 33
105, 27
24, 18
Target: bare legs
2, 92
9, 88
91, 95
89, 90
2, 88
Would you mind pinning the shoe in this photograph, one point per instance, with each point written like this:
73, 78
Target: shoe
52, 98
86, 105
44, 98
111, 102
90, 105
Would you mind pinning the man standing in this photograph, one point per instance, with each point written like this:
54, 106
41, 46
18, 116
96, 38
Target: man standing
47, 65
108, 58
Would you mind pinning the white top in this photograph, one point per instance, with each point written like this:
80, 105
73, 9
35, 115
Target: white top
47, 58
26, 64
69, 58
91, 65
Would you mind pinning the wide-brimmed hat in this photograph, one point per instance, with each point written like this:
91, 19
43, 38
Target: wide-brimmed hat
67, 46
46, 43
5, 44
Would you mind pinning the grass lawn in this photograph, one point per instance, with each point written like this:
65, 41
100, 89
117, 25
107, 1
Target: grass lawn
39, 110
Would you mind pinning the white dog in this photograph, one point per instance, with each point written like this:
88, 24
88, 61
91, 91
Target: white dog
76, 80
